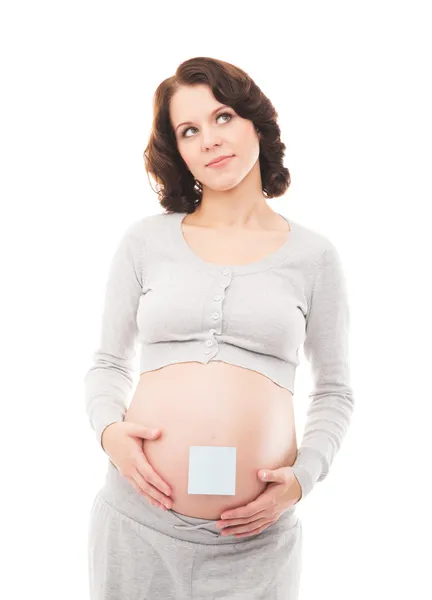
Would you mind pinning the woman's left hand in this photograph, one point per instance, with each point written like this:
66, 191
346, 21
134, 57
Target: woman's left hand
277, 497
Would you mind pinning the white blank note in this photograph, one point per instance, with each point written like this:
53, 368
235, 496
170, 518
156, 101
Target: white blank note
212, 470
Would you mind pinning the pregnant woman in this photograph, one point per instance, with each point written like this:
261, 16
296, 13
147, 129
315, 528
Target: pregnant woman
220, 292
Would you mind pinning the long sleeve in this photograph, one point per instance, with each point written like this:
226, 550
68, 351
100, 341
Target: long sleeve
326, 348
108, 383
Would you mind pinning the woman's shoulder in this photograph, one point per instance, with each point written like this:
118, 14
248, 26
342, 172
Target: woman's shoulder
311, 241
154, 223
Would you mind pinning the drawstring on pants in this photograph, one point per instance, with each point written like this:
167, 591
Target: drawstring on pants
198, 526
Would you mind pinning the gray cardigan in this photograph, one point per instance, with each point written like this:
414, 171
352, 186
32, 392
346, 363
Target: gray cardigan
178, 307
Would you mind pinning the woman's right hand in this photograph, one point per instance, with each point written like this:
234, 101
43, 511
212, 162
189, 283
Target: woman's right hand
122, 441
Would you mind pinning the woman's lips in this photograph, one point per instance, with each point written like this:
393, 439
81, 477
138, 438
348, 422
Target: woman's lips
222, 162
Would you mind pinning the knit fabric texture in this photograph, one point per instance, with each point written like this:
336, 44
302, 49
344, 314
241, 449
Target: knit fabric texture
173, 306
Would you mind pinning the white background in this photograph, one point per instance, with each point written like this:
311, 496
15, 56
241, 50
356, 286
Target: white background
351, 84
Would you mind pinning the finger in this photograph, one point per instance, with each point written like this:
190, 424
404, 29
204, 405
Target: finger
146, 470
244, 520
250, 533
142, 431
251, 528
150, 490
141, 492
243, 512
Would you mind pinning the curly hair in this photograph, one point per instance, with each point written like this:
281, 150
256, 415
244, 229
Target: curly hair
177, 189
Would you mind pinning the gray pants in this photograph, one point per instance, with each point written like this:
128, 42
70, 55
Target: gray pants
139, 552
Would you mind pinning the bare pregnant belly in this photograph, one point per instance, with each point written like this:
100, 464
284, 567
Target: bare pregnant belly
214, 404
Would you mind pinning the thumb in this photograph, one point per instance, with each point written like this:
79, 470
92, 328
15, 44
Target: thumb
142, 431
277, 475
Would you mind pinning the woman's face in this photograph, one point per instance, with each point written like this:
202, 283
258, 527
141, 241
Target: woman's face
202, 136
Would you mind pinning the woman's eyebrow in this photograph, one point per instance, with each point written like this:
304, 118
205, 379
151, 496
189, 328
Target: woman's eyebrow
211, 114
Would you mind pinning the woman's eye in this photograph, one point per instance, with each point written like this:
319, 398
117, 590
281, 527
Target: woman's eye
221, 115
224, 115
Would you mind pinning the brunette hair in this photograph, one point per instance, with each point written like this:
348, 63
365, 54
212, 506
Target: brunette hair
177, 189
